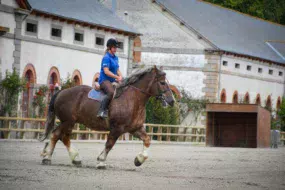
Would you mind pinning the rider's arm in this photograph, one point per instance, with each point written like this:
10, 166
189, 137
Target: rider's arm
119, 73
109, 73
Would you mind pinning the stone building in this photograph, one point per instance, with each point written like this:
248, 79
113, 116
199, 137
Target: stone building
45, 41
207, 50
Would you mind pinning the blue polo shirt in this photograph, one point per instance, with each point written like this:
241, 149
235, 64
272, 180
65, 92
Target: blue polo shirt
112, 62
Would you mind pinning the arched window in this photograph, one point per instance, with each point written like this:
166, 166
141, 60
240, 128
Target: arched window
76, 77
53, 76
223, 96
258, 100
235, 97
53, 79
278, 104
268, 103
246, 98
137, 50
29, 74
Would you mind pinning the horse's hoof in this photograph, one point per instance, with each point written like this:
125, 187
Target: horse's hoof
101, 166
77, 163
137, 162
46, 162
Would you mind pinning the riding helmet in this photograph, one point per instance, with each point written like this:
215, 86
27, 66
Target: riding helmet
112, 43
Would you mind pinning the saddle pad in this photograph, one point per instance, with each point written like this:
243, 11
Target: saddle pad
97, 95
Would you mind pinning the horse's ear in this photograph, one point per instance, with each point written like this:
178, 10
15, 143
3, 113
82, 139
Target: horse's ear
155, 68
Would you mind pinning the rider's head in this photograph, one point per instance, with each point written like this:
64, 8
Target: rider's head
112, 45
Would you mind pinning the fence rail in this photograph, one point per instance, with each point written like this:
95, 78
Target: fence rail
34, 126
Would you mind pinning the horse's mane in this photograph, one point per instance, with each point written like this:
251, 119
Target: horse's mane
134, 77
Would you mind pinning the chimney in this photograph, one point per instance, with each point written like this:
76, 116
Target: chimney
114, 6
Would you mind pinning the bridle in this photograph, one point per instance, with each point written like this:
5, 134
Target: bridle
159, 95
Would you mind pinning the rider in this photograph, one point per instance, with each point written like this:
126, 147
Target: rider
109, 73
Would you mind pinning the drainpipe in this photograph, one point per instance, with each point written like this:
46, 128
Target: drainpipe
219, 84
114, 6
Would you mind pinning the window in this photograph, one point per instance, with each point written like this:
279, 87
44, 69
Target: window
31, 27
280, 73
259, 70
237, 65
248, 68
225, 63
78, 37
270, 71
99, 41
121, 45
56, 32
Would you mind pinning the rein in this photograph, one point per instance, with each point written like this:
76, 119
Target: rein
160, 95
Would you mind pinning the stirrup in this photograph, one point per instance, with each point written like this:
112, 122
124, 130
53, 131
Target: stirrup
103, 114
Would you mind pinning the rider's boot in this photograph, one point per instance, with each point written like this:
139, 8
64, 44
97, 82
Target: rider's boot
103, 111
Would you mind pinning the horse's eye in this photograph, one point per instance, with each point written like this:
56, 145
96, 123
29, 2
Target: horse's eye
162, 83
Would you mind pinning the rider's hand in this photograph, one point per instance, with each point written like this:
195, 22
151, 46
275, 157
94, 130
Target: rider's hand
120, 78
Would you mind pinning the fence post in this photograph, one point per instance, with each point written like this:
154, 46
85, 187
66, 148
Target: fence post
77, 128
9, 127
168, 133
89, 135
159, 136
24, 129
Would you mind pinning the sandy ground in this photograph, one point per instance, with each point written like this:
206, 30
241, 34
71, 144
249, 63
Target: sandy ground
169, 167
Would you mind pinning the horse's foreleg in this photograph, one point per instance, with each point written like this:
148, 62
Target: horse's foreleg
112, 138
142, 156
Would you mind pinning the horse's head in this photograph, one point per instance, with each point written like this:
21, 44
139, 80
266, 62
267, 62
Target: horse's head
160, 87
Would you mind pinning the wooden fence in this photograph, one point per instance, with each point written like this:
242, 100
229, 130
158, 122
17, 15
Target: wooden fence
159, 132
282, 137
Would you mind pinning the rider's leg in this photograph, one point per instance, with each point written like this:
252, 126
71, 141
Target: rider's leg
108, 89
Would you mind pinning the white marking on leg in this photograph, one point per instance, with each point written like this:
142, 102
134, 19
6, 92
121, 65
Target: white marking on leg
73, 154
142, 156
102, 156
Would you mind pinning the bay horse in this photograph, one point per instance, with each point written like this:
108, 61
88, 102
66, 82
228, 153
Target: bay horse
126, 114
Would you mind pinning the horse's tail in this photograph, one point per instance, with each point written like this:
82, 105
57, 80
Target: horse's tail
50, 122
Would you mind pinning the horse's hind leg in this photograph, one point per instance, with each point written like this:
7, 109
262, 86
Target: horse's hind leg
57, 134
142, 156
73, 152
47, 154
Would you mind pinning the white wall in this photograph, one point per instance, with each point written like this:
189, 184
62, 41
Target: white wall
177, 60
8, 20
12, 3
251, 81
6, 55
43, 57
44, 32
190, 81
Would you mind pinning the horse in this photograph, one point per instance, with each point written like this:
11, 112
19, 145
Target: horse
126, 114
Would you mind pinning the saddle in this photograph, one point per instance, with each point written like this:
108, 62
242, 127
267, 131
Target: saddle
99, 95
96, 95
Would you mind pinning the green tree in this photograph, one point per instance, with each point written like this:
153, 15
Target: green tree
281, 115
10, 88
156, 113
272, 10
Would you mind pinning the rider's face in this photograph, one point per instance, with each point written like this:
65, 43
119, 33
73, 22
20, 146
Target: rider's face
113, 50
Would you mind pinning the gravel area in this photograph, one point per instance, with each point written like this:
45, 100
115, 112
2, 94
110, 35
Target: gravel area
168, 167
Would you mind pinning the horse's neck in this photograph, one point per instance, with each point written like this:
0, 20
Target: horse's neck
137, 94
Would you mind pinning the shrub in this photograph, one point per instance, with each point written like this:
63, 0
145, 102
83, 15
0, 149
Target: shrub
10, 88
